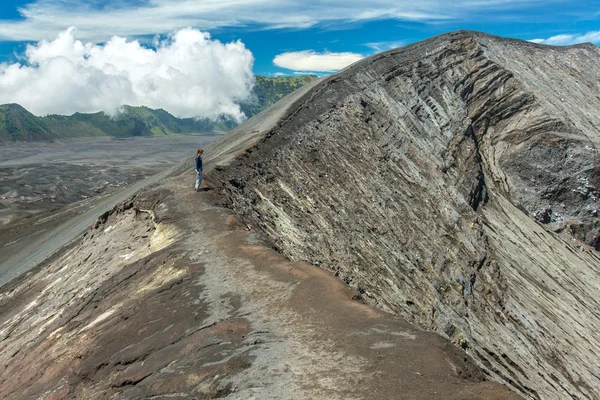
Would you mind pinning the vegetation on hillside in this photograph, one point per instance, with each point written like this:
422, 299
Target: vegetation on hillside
267, 91
132, 121
18, 124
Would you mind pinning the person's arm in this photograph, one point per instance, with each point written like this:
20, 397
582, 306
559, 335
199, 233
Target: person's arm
200, 163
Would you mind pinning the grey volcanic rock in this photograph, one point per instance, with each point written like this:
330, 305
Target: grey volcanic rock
453, 182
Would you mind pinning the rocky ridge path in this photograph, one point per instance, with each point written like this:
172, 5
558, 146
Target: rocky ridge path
453, 182
169, 296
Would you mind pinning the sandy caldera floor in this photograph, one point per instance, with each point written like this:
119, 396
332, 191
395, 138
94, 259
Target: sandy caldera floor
43, 186
36, 177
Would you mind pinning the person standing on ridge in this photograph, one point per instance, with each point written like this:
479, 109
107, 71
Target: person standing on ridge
199, 169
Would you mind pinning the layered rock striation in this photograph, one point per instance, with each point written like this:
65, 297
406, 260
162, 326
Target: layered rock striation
453, 182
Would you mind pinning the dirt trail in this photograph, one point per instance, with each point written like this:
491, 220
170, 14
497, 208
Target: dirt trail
202, 309
320, 341
62, 228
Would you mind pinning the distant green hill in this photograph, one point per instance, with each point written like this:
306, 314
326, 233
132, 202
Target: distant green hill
268, 91
133, 121
18, 124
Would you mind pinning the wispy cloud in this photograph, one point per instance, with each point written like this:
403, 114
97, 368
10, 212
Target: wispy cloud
43, 19
569, 39
384, 46
186, 73
309, 60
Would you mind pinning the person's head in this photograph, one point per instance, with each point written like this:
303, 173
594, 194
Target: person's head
200, 152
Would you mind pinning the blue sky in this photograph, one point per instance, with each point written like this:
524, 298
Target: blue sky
284, 37
274, 27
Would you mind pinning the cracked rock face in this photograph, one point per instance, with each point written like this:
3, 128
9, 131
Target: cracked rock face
453, 182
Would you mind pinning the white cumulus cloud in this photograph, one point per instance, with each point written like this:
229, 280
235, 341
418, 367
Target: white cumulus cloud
569, 39
308, 60
187, 73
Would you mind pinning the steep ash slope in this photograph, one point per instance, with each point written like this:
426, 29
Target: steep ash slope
416, 175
